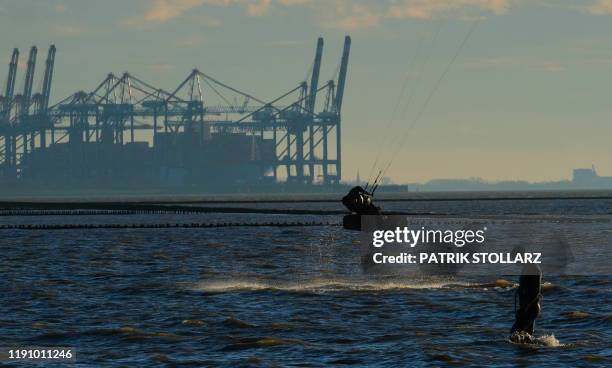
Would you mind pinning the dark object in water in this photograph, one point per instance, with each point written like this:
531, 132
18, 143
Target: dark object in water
359, 202
529, 293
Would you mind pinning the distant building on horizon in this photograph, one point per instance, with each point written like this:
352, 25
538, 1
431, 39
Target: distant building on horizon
582, 178
589, 179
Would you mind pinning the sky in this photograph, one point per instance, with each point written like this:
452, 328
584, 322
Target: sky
496, 89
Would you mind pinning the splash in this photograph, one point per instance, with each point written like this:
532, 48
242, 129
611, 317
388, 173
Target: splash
528, 340
322, 285
549, 341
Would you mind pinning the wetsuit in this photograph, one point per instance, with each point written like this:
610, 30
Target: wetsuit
529, 293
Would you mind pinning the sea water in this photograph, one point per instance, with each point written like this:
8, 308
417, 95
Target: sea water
294, 296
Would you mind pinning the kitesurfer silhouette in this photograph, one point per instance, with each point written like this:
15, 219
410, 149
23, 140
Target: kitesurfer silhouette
529, 294
359, 201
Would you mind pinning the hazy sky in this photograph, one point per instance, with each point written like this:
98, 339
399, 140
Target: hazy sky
529, 96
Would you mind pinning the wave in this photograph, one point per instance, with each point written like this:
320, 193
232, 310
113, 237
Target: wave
261, 342
322, 285
124, 331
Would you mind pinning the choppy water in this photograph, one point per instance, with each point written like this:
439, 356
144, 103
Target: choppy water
278, 296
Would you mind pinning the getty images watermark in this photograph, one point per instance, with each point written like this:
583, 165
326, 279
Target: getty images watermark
486, 245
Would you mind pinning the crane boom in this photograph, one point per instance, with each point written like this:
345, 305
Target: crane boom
10, 81
342, 74
46, 88
338, 104
314, 81
29, 78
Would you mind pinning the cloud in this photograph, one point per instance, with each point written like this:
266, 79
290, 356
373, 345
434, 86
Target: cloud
357, 16
341, 14
165, 10
162, 11
294, 2
600, 7
428, 9
65, 30
259, 8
